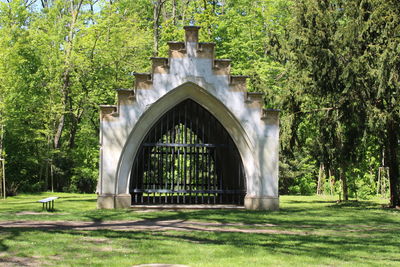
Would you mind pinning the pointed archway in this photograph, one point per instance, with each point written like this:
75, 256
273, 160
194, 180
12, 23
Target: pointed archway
187, 157
204, 101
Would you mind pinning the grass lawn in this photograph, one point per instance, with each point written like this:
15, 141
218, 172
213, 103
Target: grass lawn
305, 231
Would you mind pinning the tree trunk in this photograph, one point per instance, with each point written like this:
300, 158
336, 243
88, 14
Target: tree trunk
75, 120
391, 161
378, 183
1, 137
57, 136
75, 9
345, 190
174, 11
321, 179
72, 134
156, 24
2, 164
331, 182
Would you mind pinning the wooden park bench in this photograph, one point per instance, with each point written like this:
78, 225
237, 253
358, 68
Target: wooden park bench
48, 203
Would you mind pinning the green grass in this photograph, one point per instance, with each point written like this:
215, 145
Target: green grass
305, 231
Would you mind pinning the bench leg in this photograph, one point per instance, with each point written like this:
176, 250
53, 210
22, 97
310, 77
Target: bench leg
43, 206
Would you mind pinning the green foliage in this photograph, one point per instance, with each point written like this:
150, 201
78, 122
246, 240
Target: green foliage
297, 175
332, 67
332, 54
51, 73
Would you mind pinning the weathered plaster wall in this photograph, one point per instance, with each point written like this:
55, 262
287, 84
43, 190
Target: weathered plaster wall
190, 72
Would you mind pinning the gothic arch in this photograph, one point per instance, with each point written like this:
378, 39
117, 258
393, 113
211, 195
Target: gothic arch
196, 93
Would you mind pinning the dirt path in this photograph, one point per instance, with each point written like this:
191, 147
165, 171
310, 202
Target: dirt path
148, 225
184, 225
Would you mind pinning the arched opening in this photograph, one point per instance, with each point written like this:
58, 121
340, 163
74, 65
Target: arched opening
187, 157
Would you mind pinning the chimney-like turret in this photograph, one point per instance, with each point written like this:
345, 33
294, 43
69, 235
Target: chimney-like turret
191, 34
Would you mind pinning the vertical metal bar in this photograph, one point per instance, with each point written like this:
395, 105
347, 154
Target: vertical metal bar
182, 126
191, 153
141, 194
153, 162
143, 170
149, 174
208, 175
231, 156
184, 153
241, 182
161, 177
136, 173
167, 154
197, 154
171, 173
239, 187
215, 179
171, 167
153, 169
179, 180
145, 174
221, 187
173, 151
159, 152
202, 154
208, 159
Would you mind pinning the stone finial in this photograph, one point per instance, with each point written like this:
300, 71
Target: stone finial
191, 34
270, 116
160, 65
238, 83
108, 112
222, 66
143, 80
177, 49
254, 99
125, 96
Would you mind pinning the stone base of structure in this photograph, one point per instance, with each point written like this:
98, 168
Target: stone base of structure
261, 203
105, 201
122, 201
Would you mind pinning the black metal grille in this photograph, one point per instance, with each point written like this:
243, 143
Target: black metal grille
187, 158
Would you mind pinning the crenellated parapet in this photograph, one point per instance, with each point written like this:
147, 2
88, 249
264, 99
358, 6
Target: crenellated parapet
191, 49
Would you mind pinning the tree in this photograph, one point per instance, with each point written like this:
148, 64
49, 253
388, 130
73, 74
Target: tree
382, 24
339, 53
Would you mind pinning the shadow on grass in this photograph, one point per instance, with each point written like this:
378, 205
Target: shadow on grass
355, 204
310, 201
287, 217
71, 199
343, 248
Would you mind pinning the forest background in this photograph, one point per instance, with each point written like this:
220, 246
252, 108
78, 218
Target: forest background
331, 66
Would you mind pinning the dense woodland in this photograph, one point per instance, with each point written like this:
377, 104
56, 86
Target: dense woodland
331, 66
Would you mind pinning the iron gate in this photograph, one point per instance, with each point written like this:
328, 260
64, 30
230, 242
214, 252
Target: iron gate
187, 158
